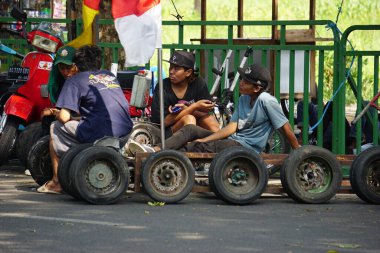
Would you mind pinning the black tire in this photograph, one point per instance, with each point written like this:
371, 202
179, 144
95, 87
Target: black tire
26, 139
8, 139
168, 176
3, 99
365, 175
39, 162
100, 175
277, 144
238, 175
64, 166
311, 174
146, 133
285, 107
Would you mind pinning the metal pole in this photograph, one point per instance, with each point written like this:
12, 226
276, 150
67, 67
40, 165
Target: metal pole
161, 86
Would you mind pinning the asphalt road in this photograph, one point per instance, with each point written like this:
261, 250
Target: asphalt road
34, 222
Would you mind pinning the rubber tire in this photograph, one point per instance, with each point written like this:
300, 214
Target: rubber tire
39, 162
226, 160
360, 169
8, 139
316, 154
285, 147
26, 139
3, 99
146, 133
83, 166
180, 161
64, 166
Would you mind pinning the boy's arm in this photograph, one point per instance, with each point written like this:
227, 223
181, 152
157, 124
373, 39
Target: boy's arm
287, 130
63, 116
222, 133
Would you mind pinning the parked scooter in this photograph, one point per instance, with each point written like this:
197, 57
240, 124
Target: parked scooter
5, 83
29, 89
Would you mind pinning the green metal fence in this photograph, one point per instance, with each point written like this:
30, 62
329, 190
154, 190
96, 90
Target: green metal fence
281, 57
346, 53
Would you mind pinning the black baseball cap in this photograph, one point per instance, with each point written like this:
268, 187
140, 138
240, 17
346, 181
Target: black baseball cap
183, 59
256, 74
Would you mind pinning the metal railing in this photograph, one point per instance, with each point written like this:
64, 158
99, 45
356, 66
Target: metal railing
279, 55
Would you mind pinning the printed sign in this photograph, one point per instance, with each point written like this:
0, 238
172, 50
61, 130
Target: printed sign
18, 73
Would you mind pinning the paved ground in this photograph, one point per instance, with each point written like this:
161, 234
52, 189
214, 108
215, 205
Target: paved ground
33, 222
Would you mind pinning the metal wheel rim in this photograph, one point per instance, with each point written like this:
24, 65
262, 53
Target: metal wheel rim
142, 136
168, 177
373, 177
240, 176
314, 175
101, 176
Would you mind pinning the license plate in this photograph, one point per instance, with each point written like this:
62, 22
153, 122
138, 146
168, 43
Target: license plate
18, 73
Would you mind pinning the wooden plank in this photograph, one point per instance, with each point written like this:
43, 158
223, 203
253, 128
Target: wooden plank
297, 35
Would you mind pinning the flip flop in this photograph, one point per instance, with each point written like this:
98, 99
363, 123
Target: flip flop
44, 189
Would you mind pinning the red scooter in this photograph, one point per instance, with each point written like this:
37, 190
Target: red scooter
29, 89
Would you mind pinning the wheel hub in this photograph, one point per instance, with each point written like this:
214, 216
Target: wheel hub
311, 175
100, 176
142, 136
167, 176
237, 177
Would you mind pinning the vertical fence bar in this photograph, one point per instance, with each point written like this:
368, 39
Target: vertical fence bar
306, 95
277, 78
321, 61
336, 80
230, 35
291, 86
210, 75
264, 58
283, 35
375, 138
180, 34
359, 106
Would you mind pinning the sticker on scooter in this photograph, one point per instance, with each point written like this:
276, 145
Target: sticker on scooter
45, 65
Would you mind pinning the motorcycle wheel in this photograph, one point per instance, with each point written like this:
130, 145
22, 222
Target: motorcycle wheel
365, 175
311, 174
100, 175
26, 139
64, 166
39, 162
8, 139
146, 134
168, 176
238, 175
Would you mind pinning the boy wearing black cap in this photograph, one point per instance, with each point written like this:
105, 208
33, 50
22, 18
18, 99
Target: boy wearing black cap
186, 97
256, 116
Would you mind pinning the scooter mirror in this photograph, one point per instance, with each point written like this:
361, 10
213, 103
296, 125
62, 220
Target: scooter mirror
18, 14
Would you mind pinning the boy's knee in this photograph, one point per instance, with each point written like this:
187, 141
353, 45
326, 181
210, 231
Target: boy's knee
189, 120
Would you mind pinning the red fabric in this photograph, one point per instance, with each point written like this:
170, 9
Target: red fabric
134, 112
93, 4
121, 8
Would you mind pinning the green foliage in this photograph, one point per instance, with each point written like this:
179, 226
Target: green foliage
353, 12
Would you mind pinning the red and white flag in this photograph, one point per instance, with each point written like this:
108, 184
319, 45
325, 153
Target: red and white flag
138, 24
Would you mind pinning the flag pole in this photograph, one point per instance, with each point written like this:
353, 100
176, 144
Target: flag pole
161, 86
